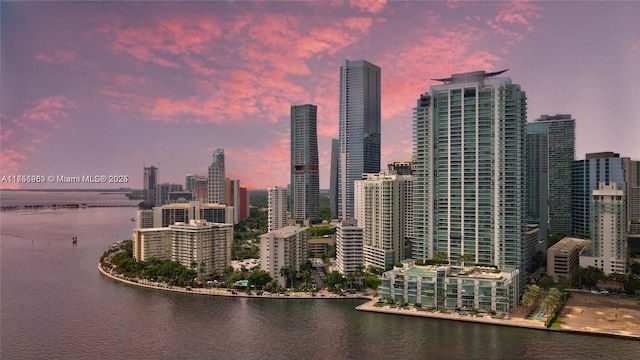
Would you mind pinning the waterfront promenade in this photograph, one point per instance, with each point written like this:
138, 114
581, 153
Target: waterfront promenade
323, 294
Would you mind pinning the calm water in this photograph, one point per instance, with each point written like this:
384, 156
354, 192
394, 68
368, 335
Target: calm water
56, 305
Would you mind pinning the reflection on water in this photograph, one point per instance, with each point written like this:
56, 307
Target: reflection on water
55, 304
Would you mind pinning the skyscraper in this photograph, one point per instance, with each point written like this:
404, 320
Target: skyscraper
333, 178
551, 151
150, 180
217, 182
359, 128
469, 180
305, 182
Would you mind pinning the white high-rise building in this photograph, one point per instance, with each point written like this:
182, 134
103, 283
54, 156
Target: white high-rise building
470, 170
379, 209
217, 183
202, 246
288, 246
277, 201
349, 247
608, 230
198, 245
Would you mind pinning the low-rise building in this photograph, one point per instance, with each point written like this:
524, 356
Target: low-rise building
349, 248
564, 256
452, 287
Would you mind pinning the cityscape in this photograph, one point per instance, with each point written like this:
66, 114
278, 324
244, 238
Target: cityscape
432, 196
464, 224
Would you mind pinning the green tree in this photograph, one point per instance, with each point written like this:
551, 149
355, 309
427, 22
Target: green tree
333, 279
440, 257
259, 278
288, 273
236, 276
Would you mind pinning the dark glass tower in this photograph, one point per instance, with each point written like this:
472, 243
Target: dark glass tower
359, 128
305, 182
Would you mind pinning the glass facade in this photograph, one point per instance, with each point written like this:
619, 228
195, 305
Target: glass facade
359, 128
470, 184
305, 183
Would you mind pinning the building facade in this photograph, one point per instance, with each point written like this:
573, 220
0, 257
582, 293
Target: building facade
470, 170
560, 152
151, 243
447, 287
287, 246
586, 176
202, 246
305, 181
564, 256
144, 219
150, 179
166, 215
198, 245
333, 178
608, 230
217, 183
349, 246
277, 212
163, 190
379, 208
359, 128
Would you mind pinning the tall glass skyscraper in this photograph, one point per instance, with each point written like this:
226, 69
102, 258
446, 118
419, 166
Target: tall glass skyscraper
470, 170
305, 182
217, 185
359, 128
561, 134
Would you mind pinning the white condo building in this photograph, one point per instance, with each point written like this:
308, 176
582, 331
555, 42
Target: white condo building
379, 208
203, 244
277, 201
206, 244
608, 230
288, 246
349, 248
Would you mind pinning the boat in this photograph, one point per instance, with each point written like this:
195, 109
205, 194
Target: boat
75, 240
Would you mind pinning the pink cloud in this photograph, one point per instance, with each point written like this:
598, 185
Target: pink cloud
371, 6
32, 127
58, 57
510, 21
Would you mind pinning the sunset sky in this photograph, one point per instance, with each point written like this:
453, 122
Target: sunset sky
99, 88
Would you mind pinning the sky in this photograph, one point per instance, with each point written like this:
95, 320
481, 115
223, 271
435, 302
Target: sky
102, 88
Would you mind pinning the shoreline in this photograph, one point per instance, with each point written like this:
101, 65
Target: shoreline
513, 322
368, 306
223, 291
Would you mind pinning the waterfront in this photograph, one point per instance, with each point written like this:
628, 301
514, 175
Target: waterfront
55, 304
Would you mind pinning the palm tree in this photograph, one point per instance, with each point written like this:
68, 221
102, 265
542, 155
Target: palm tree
288, 273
